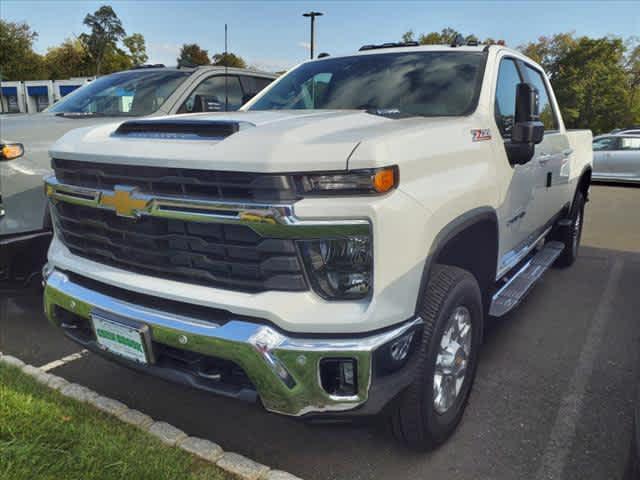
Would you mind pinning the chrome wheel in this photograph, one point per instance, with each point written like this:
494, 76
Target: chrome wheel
452, 360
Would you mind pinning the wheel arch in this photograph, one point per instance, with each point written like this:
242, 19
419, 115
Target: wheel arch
469, 242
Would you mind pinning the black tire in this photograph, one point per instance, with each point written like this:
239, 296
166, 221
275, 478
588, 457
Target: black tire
571, 235
415, 420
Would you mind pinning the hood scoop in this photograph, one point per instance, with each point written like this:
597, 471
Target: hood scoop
181, 129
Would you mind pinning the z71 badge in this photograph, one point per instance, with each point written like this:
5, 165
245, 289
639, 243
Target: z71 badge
480, 134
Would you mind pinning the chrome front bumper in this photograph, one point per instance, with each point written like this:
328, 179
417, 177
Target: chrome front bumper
283, 369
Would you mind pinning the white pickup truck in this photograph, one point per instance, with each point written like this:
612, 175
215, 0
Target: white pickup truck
334, 248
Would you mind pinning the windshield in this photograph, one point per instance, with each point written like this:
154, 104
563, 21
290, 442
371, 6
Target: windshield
131, 93
413, 83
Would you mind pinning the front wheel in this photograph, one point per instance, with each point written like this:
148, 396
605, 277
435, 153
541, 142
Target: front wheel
429, 410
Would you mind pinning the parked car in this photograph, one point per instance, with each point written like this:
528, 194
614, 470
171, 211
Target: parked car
633, 130
334, 247
616, 158
141, 92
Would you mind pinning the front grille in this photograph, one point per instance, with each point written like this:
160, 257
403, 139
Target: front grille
213, 254
201, 184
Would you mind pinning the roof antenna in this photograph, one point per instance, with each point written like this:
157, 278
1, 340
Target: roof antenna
226, 71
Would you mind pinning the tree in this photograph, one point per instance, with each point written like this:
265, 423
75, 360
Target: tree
592, 85
229, 60
116, 60
548, 50
106, 30
18, 61
446, 36
137, 48
192, 54
408, 36
69, 59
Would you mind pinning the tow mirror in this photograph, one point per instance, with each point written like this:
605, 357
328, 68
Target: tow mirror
527, 129
11, 151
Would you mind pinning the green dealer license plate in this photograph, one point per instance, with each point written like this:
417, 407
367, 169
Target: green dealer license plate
119, 338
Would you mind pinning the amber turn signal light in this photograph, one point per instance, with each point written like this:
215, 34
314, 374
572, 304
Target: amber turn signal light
11, 151
384, 180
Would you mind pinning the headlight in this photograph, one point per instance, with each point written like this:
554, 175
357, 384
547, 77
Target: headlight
339, 269
357, 182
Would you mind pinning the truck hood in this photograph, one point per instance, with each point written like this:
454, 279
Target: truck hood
268, 141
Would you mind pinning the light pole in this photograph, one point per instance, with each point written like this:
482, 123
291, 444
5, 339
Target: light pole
313, 16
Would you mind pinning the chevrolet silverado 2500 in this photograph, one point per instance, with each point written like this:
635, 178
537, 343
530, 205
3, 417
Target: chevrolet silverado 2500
333, 248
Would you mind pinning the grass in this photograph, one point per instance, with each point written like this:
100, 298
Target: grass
45, 435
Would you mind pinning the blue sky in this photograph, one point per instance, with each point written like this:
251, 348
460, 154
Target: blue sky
274, 36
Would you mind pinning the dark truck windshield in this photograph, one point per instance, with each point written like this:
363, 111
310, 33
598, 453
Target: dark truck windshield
130, 93
412, 83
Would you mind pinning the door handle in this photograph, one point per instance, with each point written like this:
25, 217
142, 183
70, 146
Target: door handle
567, 152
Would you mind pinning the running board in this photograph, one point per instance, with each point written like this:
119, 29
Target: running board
510, 295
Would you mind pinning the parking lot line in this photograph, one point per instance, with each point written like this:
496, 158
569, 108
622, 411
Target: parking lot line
562, 434
64, 360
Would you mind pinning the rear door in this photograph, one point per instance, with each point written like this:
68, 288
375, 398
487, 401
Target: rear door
551, 158
625, 161
603, 148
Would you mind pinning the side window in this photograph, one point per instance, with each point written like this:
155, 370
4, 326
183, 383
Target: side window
547, 114
209, 95
505, 108
629, 143
605, 143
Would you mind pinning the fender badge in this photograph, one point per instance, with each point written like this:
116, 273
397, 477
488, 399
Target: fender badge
480, 134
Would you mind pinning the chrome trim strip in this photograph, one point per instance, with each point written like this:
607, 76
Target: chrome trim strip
275, 221
283, 369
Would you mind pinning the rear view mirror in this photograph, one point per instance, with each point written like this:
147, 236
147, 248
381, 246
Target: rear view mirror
527, 130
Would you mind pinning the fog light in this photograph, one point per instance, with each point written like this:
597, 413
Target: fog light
400, 348
339, 376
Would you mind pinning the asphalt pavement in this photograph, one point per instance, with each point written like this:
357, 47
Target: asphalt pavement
553, 397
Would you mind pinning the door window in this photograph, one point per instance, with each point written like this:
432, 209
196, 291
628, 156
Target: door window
547, 113
606, 143
209, 95
630, 143
505, 108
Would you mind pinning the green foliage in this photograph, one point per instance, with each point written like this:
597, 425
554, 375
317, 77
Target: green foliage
69, 59
596, 81
446, 36
229, 60
106, 29
192, 54
18, 61
137, 48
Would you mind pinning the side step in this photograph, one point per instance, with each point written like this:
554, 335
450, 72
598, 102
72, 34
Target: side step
510, 295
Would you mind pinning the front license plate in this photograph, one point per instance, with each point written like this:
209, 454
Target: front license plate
120, 339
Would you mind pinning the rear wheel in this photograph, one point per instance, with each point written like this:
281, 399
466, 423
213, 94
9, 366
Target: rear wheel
571, 235
429, 410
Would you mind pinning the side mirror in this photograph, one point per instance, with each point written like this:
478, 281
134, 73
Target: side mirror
527, 129
11, 151
207, 103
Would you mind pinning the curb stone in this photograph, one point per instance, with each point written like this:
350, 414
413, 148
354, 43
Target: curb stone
235, 464
242, 467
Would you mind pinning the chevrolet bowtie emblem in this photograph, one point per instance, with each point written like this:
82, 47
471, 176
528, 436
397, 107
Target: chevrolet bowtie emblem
122, 200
